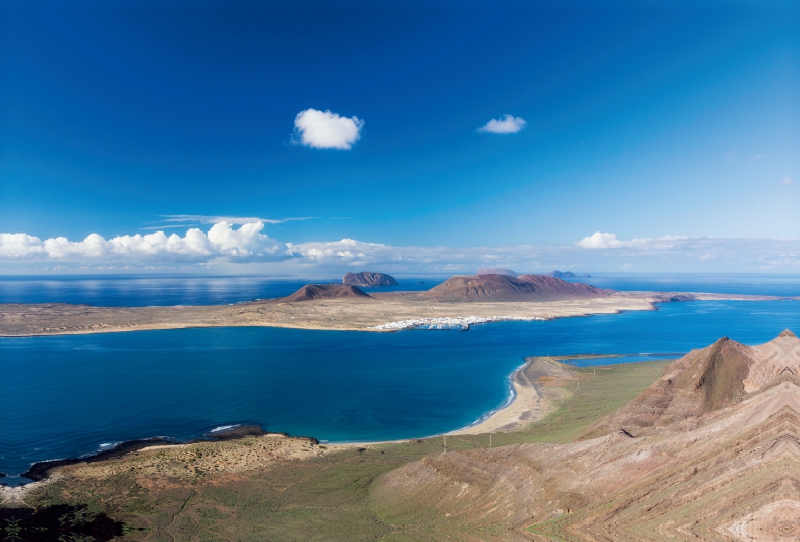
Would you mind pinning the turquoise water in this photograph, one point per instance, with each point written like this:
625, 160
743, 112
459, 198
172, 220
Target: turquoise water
68, 396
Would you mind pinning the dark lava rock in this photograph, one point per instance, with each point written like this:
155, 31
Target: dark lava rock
57, 523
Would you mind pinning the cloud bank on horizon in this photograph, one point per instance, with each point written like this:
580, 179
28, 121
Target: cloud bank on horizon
231, 249
326, 130
221, 241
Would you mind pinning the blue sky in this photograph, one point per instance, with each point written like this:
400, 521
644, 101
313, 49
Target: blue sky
642, 120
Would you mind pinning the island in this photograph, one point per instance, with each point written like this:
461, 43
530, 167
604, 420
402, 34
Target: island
367, 279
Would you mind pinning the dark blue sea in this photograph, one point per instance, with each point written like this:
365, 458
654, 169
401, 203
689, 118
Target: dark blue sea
734, 283
170, 290
73, 395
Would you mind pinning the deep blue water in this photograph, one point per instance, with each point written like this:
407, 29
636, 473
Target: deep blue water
144, 291
66, 396
718, 283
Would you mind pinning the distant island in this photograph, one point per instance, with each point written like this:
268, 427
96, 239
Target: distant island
367, 279
567, 275
459, 301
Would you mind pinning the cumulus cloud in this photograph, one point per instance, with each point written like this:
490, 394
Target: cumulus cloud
786, 181
221, 242
235, 249
508, 124
609, 240
326, 130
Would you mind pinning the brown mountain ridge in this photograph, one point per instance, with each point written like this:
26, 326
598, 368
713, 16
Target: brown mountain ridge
507, 288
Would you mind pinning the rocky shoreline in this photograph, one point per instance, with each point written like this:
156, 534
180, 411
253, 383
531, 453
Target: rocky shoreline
41, 470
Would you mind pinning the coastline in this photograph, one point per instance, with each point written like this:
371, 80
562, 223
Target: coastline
383, 313
377, 315
530, 399
525, 402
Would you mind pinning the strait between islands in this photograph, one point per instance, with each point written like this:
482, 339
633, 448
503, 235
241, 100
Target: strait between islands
461, 300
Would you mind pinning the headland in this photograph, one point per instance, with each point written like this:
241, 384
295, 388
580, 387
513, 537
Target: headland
704, 444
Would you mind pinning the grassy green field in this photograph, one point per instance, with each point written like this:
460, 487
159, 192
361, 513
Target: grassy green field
327, 498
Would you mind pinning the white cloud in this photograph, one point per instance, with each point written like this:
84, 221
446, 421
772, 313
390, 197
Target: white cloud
786, 181
231, 249
326, 130
245, 242
221, 242
508, 124
344, 251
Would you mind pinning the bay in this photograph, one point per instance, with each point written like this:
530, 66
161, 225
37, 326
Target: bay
70, 395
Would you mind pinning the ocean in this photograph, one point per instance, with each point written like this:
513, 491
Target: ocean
74, 395
171, 290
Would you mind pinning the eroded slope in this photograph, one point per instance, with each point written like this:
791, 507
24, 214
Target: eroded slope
714, 455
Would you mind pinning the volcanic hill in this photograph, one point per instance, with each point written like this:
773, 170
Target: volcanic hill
497, 271
703, 381
506, 288
711, 451
310, 292
368, 279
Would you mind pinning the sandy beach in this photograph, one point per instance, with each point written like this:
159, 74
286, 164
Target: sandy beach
531, 400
